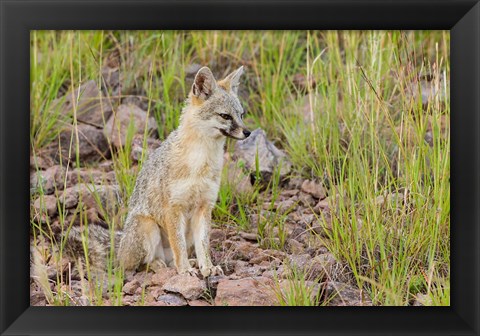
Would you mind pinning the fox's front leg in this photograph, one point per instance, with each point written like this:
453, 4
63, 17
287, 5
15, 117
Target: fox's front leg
201, 229
176, 228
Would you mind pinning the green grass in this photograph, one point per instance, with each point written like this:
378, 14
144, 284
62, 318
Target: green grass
359, 129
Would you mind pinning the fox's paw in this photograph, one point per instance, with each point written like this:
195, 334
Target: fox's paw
190, 271
157, 265
211, 270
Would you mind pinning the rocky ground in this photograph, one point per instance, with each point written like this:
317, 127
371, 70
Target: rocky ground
257, 270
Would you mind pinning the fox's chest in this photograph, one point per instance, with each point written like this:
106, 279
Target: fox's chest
199, 181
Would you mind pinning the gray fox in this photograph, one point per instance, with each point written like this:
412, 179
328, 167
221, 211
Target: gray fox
169, 211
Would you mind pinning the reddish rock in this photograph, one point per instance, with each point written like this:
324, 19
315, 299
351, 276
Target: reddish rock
189, 286
245, 292
313, 188
199, 303
245, 251
162, 275
130, 287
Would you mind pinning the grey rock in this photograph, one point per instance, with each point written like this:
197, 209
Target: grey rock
91, 106
270, 157
116, 128
172, 300
341, 294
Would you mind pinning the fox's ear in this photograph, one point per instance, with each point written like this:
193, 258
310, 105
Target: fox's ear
233, 80
204, 84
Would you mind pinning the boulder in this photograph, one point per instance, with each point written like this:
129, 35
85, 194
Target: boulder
117, 127
91, 106
92, 145
270, 157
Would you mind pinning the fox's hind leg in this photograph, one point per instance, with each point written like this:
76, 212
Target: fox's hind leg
141, 243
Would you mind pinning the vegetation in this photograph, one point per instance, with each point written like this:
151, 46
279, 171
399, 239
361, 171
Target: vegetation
366, 113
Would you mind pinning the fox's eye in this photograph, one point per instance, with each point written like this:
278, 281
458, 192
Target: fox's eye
226, 116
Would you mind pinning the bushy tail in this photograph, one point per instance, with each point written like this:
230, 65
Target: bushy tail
92, 245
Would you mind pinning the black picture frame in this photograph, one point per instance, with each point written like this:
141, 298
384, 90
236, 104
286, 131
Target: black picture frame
18, 17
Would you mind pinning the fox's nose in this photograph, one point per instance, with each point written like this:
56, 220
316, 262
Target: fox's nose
246, 133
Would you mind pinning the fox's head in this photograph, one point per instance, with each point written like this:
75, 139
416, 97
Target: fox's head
216, 108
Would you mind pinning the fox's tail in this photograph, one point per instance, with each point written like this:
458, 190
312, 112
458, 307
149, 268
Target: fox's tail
94, 245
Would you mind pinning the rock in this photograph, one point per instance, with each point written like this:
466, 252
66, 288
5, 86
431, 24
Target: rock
322, 205
189, 286
315, 189
37, 298
112, 83
238, 179
130, 287
269, 157
285, 206
422, 300
172, 300
253, 237
152, 293
212, 282
199, 303
137, 147
320, 266
289, 289
100, 197
162, 275
341, 294
314, 269
46, 204
246, 271
117, 127
245, 292
300, 262
295, 183
245, 251
54, 178
40, 161
130, 300
294, 246
91, 107
93, 176
289, 193
92, 145
68, 199
306, 200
